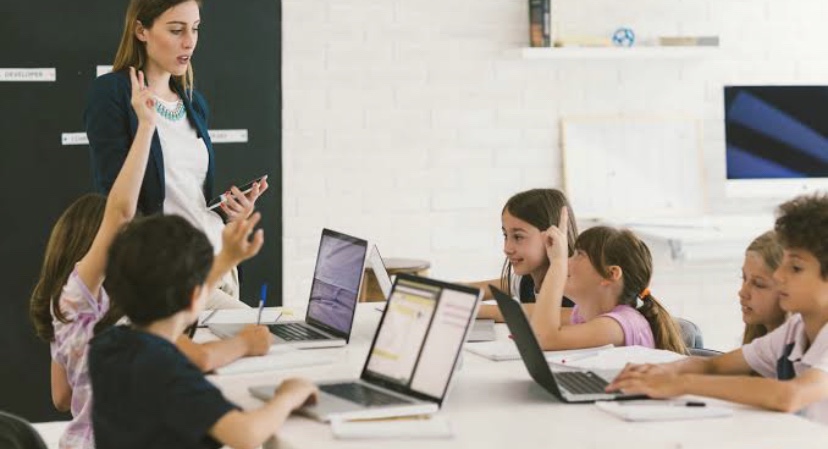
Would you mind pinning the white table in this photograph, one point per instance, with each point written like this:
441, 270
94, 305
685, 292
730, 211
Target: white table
497, 405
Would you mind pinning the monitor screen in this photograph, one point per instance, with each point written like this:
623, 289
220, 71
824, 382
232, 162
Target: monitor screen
776, 139
776, 132
336, 280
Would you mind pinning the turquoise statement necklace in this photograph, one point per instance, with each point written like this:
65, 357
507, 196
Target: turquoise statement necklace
172, 115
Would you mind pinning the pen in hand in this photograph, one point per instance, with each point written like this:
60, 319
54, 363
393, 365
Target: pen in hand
262, 297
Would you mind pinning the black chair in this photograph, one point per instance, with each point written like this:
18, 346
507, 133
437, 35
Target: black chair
17, 433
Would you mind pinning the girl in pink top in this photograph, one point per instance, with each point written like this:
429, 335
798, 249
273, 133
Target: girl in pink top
607, 279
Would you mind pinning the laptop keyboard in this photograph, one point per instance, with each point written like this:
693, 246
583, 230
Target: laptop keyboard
581, 382
296, 332
361, 394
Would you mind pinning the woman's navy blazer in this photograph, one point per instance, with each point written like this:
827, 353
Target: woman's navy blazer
111, 125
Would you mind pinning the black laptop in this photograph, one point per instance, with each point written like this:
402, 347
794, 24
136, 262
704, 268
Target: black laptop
569, 386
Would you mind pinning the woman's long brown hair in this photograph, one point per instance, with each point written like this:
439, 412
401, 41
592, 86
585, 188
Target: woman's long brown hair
132, 52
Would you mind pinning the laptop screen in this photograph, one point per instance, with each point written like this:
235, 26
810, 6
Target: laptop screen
336, 280
420, 337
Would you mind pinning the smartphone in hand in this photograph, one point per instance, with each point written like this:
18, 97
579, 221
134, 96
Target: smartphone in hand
247, 187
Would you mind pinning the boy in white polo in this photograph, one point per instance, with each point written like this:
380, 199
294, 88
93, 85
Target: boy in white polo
793, 359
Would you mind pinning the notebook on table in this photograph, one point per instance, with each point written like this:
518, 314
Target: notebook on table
669, 410
340, 265
412, 358
278, 358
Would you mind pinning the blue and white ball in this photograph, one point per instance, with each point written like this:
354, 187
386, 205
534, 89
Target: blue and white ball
623, 37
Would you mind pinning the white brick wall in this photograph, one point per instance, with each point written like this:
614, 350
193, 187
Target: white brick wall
410, 122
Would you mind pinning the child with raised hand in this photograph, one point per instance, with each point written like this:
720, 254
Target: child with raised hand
759, 295
791, 360
523, 219
147, 393
606, 278
69, 298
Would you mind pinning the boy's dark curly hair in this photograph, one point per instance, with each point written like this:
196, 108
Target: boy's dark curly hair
802, 223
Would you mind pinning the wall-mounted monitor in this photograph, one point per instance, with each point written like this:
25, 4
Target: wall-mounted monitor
776, 140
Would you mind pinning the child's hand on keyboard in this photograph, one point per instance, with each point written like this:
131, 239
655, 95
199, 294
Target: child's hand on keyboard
257, 339
297, 392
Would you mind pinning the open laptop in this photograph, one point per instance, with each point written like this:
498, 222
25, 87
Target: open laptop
568, 386
380, 272
412, 359
340, 265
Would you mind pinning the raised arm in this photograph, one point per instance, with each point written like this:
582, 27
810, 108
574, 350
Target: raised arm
123, 197
107, 124
237, 246
547, 318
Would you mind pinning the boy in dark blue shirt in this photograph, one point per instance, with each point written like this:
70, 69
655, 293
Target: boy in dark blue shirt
146, 393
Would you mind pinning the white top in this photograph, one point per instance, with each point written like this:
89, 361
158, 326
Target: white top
185, 169
762, 354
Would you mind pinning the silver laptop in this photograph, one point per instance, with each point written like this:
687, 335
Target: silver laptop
337, 278
412, 358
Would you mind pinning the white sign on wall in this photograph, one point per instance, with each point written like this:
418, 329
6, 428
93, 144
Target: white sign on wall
102, 70
74, 139
28, 75
228, 135
216, 136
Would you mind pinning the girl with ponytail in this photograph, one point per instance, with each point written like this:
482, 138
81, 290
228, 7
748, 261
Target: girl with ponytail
608, 279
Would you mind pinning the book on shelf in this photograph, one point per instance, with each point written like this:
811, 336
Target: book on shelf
688, 41
547, 23
583, 41
540, 23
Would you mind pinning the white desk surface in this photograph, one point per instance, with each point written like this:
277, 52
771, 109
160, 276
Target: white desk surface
497, 405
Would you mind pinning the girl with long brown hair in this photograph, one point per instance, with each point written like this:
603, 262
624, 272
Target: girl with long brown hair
608, 279
523, 219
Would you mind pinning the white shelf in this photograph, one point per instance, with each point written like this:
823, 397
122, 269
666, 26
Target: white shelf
618, 52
